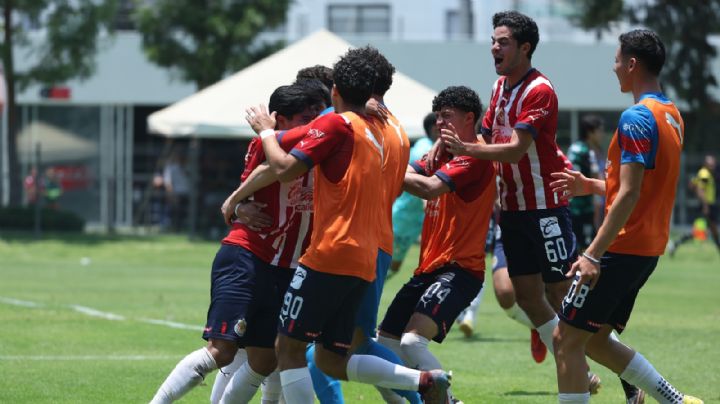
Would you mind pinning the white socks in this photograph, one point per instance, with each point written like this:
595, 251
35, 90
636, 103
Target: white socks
393, 345
297, 386
416, 353
242, 386
225, 374
573, 398
188, 373
546, 333
517, 314
471, 311
373, 370
271, 389
642, 374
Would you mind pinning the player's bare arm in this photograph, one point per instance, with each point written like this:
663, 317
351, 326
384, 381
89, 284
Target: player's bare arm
510, 152
283, 165
260, 177
570, 183
422, 186
631, 176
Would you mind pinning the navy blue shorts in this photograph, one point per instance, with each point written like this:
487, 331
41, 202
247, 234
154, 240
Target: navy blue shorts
366, 316
498, 260
244, 299
539, 242
321, 307
440, 295
613, 298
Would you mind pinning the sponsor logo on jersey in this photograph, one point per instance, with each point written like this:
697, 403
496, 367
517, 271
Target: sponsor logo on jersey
315, 133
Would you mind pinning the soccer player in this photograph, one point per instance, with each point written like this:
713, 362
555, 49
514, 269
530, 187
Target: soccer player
583, 158
520, 124
451, 270
643, 166
705, 188
345, 151
408, 211
244, 297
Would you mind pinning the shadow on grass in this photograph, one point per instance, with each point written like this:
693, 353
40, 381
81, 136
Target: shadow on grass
480, 338
529, 393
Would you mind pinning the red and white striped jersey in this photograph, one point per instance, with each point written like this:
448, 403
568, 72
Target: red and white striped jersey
289, 204
530, 105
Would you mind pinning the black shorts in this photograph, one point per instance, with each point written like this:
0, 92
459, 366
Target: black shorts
244, 299
612, 299
441, 295
321, 307
584, 228
538, 241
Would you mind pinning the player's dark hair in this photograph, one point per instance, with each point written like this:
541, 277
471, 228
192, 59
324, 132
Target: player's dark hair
382, 66
354, 78
316, 91
317, 72
289, 100
646, 46
459, 97
428, 123
523, 28
589, 124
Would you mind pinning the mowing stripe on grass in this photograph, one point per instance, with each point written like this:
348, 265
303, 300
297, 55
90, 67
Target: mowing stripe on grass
89, 311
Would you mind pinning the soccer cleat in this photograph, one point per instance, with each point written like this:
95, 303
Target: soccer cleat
434, 386
466, 326
637, 398
671, 248
454, 400
692, 400
537, 347
594, 383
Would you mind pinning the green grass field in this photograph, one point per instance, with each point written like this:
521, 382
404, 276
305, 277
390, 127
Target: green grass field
79, 325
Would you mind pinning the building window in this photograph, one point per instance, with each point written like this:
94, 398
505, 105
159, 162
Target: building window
459, 25
359, 19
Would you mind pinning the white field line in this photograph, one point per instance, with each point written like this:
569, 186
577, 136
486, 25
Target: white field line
49, 358
89, 311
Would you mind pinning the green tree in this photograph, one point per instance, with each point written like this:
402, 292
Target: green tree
70, 29
203, 40
684, 26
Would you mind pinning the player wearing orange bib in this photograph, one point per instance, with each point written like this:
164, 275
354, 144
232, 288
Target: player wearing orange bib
451, 270
346, 153
643, 166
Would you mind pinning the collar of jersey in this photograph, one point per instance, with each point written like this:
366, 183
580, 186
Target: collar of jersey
660, 97
522, 80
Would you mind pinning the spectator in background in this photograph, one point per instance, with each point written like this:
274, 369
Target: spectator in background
31, 186
177, 191
52, 189
408, 210
583, 157
705, 186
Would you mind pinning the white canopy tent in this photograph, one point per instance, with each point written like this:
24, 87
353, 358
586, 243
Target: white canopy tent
218, 111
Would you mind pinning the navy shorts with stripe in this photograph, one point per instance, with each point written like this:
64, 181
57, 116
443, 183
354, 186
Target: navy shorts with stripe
244, 299
440, 295
321, 307
539, 241
612, 300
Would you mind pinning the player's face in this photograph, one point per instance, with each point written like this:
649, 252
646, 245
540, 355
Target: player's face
505, 51
450, 115
622, 72
298, 119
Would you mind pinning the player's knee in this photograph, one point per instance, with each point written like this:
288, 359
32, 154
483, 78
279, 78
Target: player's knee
331, 363
505, 297
290, 352
222, 351
263, 363
412, 343
566, 341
